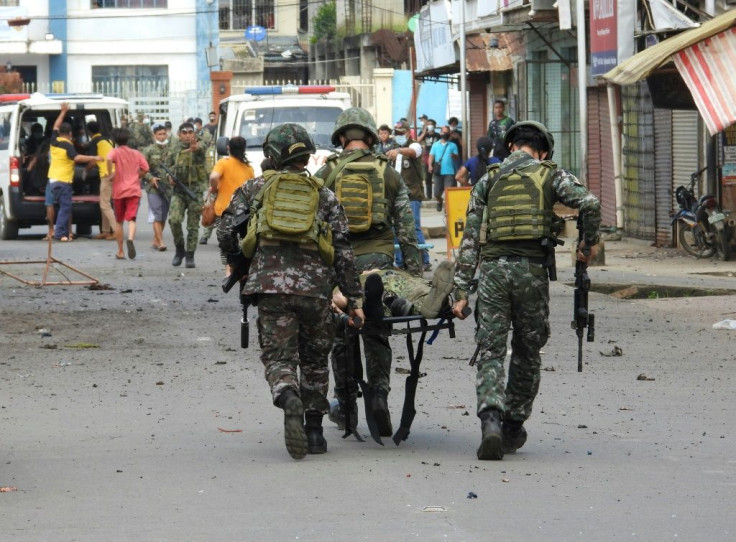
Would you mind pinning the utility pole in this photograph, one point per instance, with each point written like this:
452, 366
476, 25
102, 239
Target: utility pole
463, 81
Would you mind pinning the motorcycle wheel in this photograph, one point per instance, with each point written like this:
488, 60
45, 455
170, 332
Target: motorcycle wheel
721, 242
693, 241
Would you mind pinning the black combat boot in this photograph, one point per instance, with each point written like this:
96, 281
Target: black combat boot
316, 443
514, 436
373, 307
178, 256
491, 445
379, 406
189, 260
295, 436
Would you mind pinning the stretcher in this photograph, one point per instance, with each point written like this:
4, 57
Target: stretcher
398, 325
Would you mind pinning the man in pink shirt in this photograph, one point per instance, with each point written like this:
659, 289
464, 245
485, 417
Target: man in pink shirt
130, 166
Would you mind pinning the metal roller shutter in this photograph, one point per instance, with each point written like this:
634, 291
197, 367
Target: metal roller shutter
684, 149
608, 183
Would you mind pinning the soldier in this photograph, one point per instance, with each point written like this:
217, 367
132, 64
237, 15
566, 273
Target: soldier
140, 133
358, 170
291, 277
407, 159
497, 129
187, 162
159, 193
513, 290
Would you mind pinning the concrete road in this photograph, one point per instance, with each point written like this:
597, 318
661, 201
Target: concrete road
118, 421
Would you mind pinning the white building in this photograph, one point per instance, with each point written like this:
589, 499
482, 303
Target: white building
136, 49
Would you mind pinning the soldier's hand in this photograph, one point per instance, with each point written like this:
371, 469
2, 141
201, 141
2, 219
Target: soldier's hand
356, 314
171, 181
458, 307
592, 252
392, 154
154, 182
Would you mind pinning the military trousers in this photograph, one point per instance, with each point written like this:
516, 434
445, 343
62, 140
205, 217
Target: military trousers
296, 332
181, 206
511, 292
376, 348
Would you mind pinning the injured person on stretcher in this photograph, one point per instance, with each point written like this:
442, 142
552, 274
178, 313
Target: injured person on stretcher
392, 292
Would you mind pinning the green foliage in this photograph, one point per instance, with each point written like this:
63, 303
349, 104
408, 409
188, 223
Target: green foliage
324, 23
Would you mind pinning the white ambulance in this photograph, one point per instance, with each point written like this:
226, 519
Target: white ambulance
24, 160
254, 113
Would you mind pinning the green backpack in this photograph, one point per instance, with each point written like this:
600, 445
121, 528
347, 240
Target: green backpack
285, 210
361, 190
519, 205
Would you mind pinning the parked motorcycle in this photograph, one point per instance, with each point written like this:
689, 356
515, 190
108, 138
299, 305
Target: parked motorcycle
701, 225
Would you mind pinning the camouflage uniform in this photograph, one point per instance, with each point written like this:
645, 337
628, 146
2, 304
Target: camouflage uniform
141, 135
293, 288
374, 249
156, 155
513, 290
189, 168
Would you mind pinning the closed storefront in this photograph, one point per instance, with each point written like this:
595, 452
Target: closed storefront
600, 154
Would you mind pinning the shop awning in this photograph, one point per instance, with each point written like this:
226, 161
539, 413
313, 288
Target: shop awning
645, 62
705, 58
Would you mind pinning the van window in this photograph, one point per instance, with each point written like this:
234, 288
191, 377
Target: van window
4, 129
318, 121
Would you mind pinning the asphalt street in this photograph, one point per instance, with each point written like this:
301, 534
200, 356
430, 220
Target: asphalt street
132, 413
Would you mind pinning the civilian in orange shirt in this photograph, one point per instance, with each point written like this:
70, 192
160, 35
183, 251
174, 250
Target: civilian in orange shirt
226, 177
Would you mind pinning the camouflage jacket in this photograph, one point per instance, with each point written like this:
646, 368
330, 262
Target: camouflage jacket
566, 189
189, 166
399, 215
140, 135
156, 155
286, 268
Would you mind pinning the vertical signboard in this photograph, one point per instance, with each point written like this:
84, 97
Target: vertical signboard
612, 24
603, 36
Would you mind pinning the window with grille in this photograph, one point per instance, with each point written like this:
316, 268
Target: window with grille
240, 14
118, 80
128, 3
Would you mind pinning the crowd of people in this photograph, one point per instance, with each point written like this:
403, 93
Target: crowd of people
173, 168
316, 252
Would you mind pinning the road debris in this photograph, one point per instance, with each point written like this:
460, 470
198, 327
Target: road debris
613, 353
472, 495
642, 376
8, 489
221, 430
82, 345
725, 324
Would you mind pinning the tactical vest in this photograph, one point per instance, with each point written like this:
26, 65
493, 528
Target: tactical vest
285, 210
412, 173
361, 189
519, 204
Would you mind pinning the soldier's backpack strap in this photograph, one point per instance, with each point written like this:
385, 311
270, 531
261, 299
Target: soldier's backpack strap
330, 180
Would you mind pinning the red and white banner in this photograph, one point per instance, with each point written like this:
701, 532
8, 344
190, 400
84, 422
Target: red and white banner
708, 69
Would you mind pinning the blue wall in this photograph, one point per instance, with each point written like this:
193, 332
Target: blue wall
57, 26
207, 34
432, 99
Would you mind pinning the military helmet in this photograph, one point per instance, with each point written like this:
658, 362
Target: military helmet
354, 117
531, 124
287, 142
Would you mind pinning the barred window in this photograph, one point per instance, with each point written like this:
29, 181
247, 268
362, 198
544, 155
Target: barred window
240, 14
127, 3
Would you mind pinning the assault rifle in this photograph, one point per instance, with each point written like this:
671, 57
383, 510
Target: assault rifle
178, 185
582, 317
